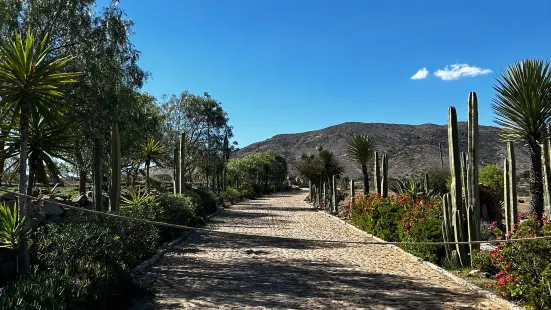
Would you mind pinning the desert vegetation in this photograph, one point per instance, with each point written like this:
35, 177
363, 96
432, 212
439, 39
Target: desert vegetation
78, 131
462, 203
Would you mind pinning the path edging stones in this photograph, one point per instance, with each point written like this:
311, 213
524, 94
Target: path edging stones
479, 291
138, 270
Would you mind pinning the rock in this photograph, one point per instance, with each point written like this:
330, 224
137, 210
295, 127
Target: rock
81, 201
473, 273
53, 218
40, 217
50, 208
8, 196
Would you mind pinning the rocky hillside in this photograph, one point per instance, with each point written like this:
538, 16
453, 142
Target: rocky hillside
411, 148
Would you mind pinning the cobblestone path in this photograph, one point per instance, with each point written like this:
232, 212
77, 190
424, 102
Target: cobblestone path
271, 269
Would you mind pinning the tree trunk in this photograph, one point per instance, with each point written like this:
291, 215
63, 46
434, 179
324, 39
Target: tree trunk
366, 179
32, 174
147, 187
536, 180
23, 255
82, 175
97, 175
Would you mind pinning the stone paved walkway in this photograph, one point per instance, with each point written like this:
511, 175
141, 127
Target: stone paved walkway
271, 269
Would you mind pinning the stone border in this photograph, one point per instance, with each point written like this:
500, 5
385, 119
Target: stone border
464, 283
138, 270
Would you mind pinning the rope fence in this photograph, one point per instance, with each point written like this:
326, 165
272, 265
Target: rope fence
199, 229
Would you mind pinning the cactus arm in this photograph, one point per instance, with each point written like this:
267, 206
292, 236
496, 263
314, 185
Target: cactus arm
377, 174
472, 195
506, 196
512, 183
384, 177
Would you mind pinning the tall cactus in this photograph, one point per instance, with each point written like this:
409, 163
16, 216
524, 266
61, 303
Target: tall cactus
310, 191
447, 224
182, 158
97, 175
115, 169
463, 158
334, 194
176, 171
377, 173
384, 178
458, 220
472, 195
512, 184
352, 192
546, 172
506, 196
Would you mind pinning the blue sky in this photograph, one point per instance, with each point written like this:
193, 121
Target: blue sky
286, 66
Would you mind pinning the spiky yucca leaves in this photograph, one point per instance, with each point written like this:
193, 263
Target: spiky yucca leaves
523, 108
29, 81
137, 197
150, 151
12, 229
361, 149
413, 188
48, 141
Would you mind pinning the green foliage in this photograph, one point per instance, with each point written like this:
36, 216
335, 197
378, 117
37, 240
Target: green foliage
178, 209
12, 230
377, 215
260, 170
492, 176
231, 196
522, 269
414, 189
438, 180
137, 198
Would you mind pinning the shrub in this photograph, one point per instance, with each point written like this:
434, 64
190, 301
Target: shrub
522, 269
422, 221
231, 195
378, 216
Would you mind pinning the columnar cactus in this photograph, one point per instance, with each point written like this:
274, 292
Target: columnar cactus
97, 176
463, 159
546, 173
472, 195
324, 195
182, 158
512, 184
176, 171
352, 192
377, 173
458, 220
441, 156
384, 178
334, 195
310, 191
447, 224
115, 169
506, 196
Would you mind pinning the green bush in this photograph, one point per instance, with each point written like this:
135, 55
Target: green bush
522, 269
231, 196
378, 216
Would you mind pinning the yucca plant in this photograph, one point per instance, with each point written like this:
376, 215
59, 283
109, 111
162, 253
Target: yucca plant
137, 197
29, 83
412, 188
150, 151
12, 229
361, 150
523, 108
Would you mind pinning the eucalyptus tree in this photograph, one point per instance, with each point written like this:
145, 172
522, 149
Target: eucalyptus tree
523, 109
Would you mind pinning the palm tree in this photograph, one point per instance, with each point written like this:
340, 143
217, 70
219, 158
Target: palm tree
28, 84
361, 150
149, 151
523, 108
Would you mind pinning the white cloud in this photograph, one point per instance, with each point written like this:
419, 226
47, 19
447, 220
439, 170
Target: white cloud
456, 71
421, 74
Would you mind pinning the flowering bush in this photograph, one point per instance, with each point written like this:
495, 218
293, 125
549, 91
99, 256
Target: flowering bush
422, 221
399, 218
522, 269
377, 215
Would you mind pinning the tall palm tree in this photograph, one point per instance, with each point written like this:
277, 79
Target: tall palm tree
29, 81
150, 151
523, 108
361, 150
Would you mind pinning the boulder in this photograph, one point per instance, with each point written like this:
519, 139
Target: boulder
51, 208
53, 218
81, 201
8, 196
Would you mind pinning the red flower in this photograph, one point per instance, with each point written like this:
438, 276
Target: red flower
489, 285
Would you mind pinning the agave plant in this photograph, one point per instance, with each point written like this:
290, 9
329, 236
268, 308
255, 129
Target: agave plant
12, 229
414, 189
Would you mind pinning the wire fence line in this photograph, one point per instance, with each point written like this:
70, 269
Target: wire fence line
199, 229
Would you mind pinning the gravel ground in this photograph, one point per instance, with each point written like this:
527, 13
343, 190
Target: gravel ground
270, 267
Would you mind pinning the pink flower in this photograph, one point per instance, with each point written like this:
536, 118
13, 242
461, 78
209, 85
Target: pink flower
489, 285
